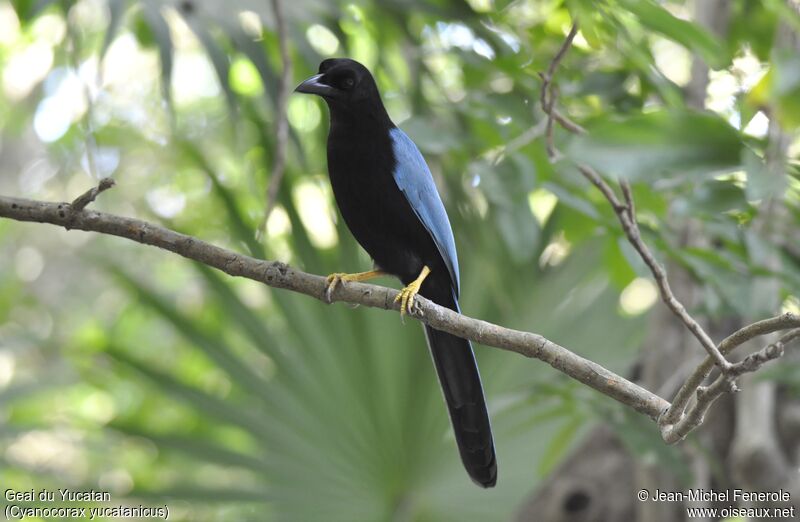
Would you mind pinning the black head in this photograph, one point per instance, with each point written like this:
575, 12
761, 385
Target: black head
342, 81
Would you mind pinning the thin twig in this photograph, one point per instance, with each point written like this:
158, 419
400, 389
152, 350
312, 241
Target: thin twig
595, 179
791, 337
625, 213
736, 339
281, 115
90, 195
631, 228
568, 124
548, 95
725, 382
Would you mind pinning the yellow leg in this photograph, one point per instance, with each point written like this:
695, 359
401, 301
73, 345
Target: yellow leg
407, 294
336, 278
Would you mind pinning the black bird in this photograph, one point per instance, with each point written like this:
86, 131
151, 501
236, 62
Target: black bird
389, 201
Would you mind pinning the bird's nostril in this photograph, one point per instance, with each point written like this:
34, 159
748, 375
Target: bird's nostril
186, 7
576, 501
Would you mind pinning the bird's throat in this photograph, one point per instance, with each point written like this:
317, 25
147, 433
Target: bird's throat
367, 116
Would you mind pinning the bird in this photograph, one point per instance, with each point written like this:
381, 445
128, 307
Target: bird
388, 199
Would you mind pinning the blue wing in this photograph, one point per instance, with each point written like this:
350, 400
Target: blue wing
414, 179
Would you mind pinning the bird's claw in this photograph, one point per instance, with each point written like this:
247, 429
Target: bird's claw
333, 281
406, 298
337, 277
407, 294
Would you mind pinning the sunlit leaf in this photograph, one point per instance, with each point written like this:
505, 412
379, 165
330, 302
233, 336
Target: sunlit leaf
653, 145
116, 9
686, 33
219, 60
29, 9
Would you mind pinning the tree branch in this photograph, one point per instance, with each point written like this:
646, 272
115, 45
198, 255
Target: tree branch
625, 212
282, 276
548, 96
736, 339
725, 382
82, 201
676, 422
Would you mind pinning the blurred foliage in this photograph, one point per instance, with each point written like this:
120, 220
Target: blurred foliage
129, 370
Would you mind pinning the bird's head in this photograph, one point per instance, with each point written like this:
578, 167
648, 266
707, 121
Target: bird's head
342, 81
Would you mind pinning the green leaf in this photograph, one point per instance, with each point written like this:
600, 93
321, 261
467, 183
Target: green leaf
593, 23
159, 30
729, 285
559, 444
202, 402
716, 197
784, 12
198, 449
786, 87
620, 271
116, 10
753, 24
219, 59
651, 145
691, 36
244, 231
254, 50
214, 347
520, 231
27, 10
250, 323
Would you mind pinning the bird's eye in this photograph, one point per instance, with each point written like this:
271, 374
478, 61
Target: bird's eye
349, 82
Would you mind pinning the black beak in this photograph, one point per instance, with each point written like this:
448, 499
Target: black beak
314, 86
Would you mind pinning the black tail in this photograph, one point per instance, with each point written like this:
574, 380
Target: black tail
463, 393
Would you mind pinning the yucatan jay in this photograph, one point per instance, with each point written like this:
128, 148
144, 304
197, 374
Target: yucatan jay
389, 201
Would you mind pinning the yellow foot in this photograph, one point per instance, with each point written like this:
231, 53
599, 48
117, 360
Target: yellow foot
336, 278
407, 294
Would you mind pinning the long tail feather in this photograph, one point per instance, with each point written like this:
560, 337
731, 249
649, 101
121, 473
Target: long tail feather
463, 393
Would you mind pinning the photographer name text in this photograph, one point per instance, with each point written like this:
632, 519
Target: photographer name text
724, 495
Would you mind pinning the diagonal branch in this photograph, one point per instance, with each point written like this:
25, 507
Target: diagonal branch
631, 227
625, 211
548, 96
279, 275
282, 276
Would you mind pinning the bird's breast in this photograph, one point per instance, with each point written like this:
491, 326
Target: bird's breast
363, 185
372, 205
